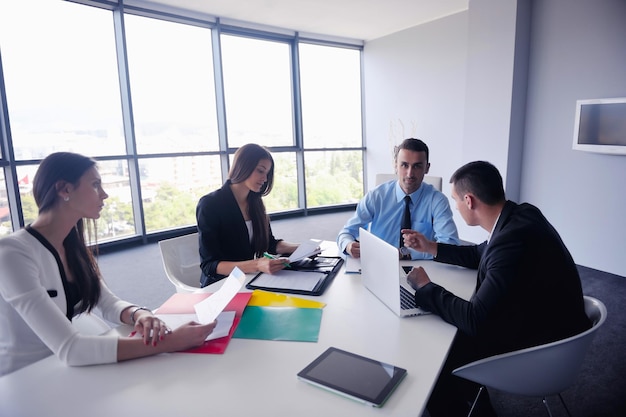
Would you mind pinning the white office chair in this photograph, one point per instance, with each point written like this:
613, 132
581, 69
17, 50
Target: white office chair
181, 261
436, 182
90, 324
538, 371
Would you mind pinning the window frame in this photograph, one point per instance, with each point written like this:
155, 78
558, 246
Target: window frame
217, 27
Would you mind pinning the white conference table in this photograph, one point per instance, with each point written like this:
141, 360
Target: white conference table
253, 377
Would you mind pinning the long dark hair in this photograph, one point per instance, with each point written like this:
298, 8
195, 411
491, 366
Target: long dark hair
56, 170
245, 162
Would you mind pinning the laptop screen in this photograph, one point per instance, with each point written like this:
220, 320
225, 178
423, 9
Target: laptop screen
380, 269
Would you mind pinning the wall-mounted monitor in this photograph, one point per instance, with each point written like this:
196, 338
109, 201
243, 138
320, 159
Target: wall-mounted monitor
600, 125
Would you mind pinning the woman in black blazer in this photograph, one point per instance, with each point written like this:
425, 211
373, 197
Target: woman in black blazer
233, 227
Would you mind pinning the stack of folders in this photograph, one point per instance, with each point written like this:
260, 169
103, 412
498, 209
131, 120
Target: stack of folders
257, 315
272, 316
180, 307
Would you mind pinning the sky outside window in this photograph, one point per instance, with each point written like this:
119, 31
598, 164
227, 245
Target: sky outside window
63, 94
172, 86
61, 78
331, 96
257, 89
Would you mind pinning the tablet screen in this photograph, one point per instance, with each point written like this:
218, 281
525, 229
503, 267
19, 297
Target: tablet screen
355, 376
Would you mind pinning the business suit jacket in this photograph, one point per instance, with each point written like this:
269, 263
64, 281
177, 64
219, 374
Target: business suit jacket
222, 232
528, 290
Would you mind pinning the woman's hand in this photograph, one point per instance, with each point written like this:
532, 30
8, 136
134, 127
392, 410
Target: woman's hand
271, 266
190, 335
185, 337
151, 328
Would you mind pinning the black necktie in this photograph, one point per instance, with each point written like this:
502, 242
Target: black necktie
406, 218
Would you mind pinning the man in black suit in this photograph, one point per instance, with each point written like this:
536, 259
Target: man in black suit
528, 290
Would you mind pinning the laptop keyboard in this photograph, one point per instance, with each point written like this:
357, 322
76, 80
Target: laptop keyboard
407, 300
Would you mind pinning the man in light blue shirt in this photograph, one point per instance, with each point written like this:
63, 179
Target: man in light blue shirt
382, 208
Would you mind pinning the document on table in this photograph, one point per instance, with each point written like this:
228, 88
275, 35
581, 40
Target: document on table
209, 308
353, 265
292, 280
224, 322
306, 249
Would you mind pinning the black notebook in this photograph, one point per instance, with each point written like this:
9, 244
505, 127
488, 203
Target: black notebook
354, 376
309, 276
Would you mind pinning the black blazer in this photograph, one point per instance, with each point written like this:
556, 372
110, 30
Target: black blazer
222, 232
528, 290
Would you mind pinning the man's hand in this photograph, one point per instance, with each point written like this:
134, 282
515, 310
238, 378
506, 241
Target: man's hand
417, 278
354, 249
418, 241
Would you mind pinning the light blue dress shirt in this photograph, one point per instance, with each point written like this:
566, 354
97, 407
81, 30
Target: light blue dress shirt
381, 210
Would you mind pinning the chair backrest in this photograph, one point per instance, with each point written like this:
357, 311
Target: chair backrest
540, 370
436, 182
181, 261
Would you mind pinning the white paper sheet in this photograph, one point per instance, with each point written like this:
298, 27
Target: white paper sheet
308, 248
286, 279
224, 322
209, 308
353, 265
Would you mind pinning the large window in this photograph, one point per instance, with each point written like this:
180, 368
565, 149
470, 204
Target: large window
333, 177
172, 87
172, 186
258, 97
5, 212
330, 80
162, 102
61, 79
257, 90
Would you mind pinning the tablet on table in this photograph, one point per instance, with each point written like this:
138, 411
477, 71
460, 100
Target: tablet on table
354, 376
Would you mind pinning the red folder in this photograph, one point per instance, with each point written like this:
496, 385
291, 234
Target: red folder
181, 303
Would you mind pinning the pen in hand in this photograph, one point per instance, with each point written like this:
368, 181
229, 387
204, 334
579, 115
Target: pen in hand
267, 255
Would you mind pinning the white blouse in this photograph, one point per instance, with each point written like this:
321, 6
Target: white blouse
33, 322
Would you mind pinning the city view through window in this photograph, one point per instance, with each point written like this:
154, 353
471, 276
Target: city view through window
148, 110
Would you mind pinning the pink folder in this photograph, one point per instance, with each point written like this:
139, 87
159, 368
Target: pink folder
181, 303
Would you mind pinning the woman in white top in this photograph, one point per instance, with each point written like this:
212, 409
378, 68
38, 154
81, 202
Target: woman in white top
49, 276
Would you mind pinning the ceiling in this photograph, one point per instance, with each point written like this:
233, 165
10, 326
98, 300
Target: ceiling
353, 19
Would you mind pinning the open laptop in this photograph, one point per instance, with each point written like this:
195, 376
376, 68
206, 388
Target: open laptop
383, 276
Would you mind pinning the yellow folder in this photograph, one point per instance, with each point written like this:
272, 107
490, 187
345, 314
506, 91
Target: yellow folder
269, 299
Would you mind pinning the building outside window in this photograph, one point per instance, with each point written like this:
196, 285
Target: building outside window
164, 108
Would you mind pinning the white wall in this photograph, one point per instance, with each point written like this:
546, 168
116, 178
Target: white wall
415, 87
578, 51
496, 83
420, 82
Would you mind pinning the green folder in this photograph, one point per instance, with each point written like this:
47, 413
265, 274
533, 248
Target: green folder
280, 323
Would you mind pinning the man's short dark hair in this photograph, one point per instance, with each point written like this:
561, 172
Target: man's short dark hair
481, 179
411, 144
